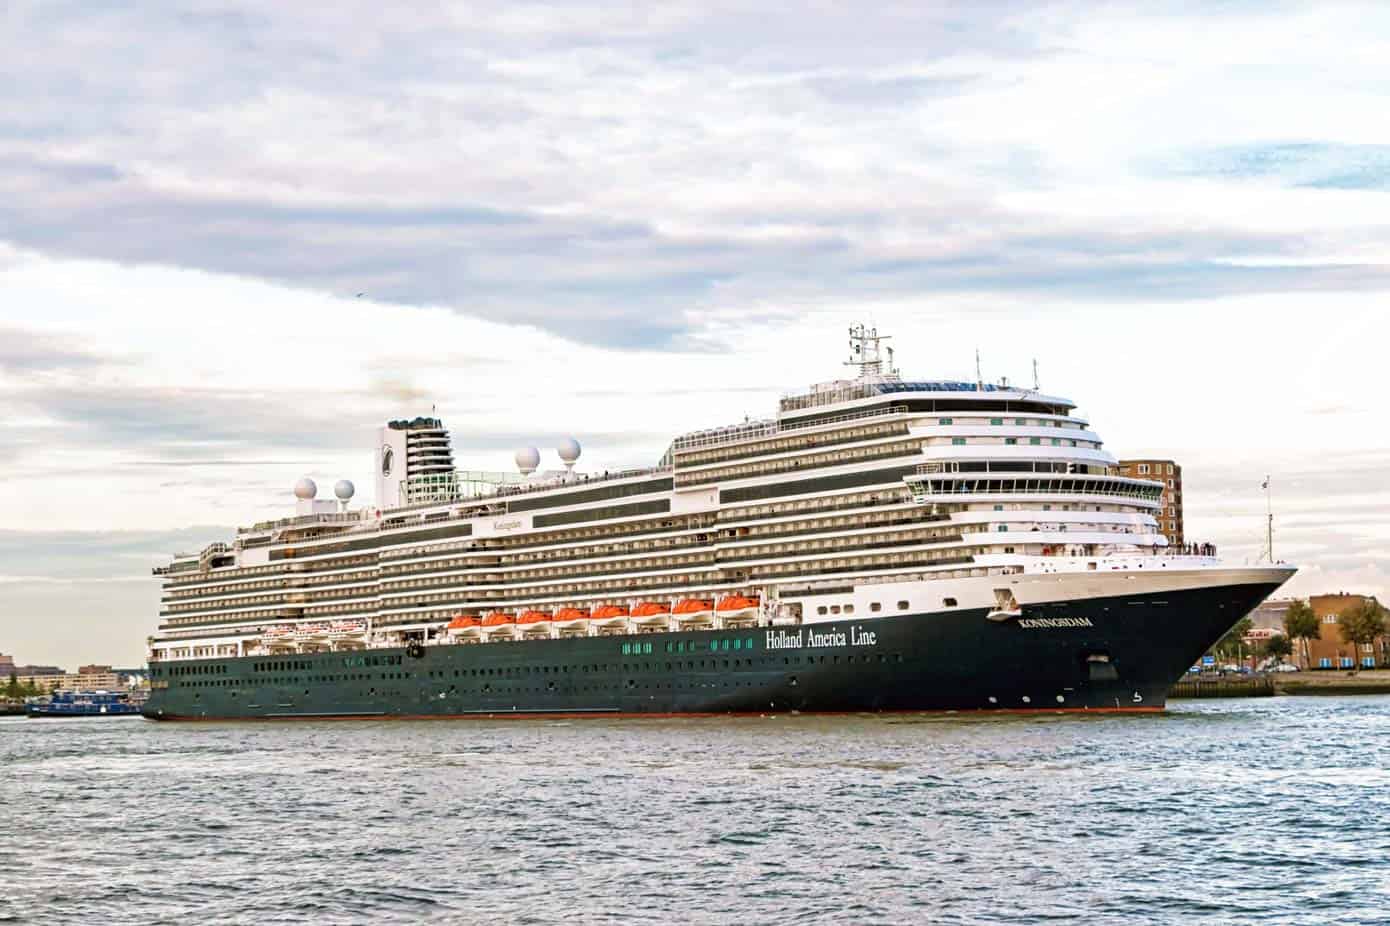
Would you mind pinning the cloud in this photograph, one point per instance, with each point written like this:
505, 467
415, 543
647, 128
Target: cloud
619, 179
25, 352
1304, 164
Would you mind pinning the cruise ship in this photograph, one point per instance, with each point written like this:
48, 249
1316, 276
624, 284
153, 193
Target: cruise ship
881, 544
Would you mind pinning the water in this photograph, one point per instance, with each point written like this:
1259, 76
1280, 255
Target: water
1269, 810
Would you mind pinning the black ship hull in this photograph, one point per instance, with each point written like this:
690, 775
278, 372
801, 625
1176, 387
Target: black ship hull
1098, 654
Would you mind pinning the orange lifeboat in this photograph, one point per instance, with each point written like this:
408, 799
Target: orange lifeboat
498, 618
533, 617
736, 608
571, 615
651, 614
464, 621
693, 610
609, 615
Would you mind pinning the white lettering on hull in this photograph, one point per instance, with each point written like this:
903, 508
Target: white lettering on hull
1047, 623
806, 638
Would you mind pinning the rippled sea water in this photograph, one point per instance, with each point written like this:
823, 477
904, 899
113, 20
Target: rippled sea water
1270, 810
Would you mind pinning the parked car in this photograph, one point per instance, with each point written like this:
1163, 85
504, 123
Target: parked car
1284, 667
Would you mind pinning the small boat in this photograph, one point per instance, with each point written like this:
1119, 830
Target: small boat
570, 618
534, 624
652, 614
499, 625
609, 614
609, 618
693, 611
736, 609
464, 627
85, 704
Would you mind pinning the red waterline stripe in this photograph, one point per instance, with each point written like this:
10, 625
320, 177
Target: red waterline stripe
638, 715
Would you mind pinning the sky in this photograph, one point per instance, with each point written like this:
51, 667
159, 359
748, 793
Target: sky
236, 237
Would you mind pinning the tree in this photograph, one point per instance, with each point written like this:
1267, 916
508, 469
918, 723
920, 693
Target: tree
1278, 646
1361, 624
1300, 623
1232, 642
13, 691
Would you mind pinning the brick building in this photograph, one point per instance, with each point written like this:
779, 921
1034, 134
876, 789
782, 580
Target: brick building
1170, 474
1329, 651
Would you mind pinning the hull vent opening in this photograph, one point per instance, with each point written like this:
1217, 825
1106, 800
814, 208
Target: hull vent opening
1099, 668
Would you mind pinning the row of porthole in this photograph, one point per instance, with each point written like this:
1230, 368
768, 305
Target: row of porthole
640, 648
875, 607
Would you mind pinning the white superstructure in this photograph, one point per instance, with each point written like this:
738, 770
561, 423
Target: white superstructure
863, 496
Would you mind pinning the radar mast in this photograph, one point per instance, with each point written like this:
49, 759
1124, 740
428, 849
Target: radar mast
866, 353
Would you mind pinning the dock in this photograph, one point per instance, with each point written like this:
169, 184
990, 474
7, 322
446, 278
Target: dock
1236, 686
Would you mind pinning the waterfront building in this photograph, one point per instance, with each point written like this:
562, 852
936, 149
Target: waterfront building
88, 678
1270, 615
1169, 474
6, 666
1329, 650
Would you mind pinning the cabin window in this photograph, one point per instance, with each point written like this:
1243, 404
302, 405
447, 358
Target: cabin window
945, 421
821, 609
834, 609
902, 605
949, 602
876, 606
849, 609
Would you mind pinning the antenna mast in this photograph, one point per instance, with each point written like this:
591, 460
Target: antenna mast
1269, 522
1036, 387
979, 377
866, 354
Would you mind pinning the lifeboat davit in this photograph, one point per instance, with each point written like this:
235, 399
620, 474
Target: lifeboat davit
693, 610
737, 608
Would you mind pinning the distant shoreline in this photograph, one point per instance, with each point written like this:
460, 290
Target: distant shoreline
1309, 683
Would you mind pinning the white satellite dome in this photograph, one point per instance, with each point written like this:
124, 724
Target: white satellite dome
305, 489
569, 451
344, 489
527, 459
